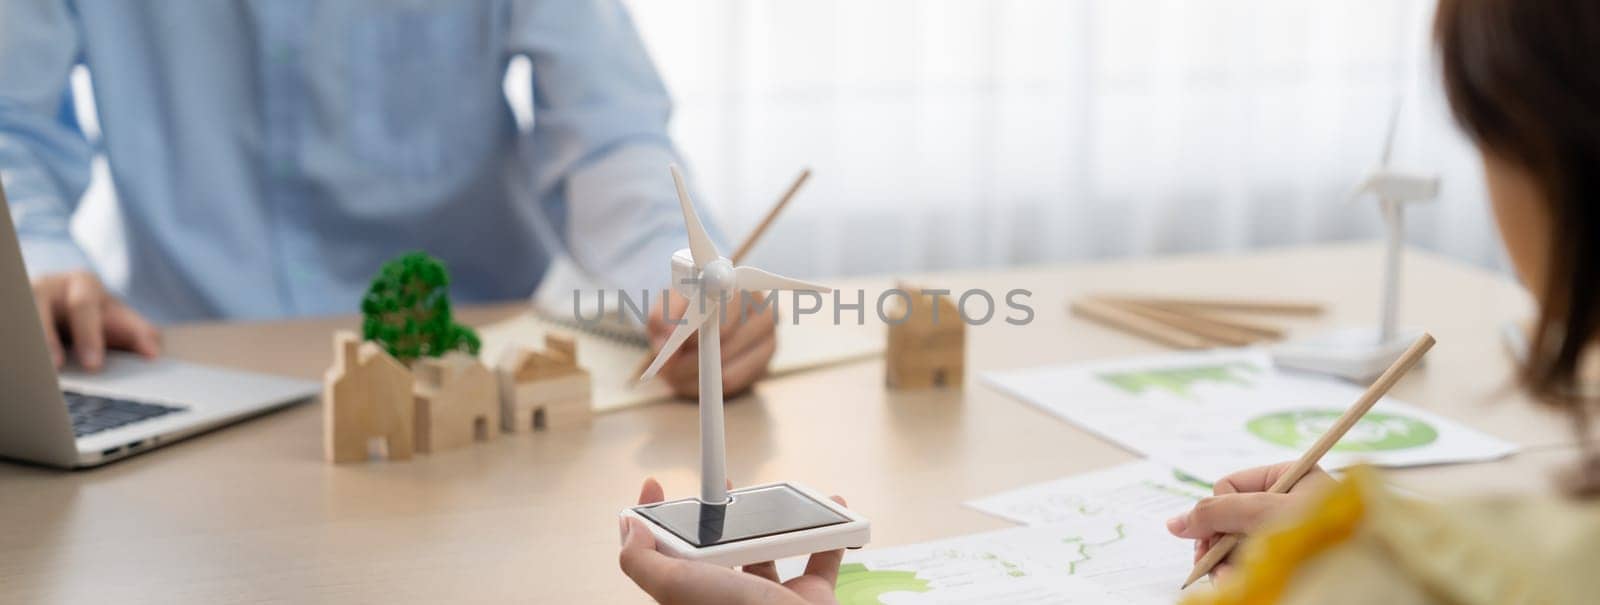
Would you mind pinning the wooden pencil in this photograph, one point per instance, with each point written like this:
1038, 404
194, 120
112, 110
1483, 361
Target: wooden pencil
1194, 324
1407, 360
1122, 319
1261, 330
1280, 307
1257, 329
755, 235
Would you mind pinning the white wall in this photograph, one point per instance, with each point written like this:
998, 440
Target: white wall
960, 133
968, 133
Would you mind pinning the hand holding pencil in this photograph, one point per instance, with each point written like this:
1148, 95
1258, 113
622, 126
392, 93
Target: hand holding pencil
1219, 530
1241, 503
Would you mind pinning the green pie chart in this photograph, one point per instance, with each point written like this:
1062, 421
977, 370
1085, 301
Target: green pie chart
861, 586
1375, 432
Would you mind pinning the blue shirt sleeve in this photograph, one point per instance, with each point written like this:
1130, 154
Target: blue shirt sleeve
600, 127
44, 161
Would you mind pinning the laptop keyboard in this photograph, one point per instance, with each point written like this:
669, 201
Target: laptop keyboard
92, 414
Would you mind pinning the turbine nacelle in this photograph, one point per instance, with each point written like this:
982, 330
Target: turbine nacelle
717, 278
1390, 186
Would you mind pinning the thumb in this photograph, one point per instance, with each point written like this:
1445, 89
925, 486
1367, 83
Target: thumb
1228, 514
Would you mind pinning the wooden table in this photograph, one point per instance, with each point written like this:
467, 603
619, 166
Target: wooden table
251, 513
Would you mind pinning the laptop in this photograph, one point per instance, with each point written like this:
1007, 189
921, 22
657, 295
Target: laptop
80, 420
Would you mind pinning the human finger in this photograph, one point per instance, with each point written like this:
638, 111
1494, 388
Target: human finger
651, 492
766, 570
83, 303
127, 329
1227, 514
1255, 479
746, 335
825, 565
742, 372
682, 371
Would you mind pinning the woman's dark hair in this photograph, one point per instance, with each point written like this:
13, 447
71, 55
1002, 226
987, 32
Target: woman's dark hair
1522, 81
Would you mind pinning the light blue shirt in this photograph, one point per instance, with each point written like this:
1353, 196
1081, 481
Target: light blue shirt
269, 155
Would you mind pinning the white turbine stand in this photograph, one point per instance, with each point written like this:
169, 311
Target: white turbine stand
1356, 352
752, 524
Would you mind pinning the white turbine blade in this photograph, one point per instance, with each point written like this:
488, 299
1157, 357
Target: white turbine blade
693, 316
700, 246
1388, 141
751, 278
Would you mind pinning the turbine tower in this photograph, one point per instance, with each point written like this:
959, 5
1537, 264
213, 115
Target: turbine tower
709, 280
1362, 352
1394, 190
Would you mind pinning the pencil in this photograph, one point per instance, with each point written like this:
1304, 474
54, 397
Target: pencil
1259, 331
1126, 321
755, 236
1194, 324
1237, 306
1407, 360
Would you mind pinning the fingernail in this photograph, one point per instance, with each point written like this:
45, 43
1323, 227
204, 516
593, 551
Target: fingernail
622, 529
1178, 524
92, 359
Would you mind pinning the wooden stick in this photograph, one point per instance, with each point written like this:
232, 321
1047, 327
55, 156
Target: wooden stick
1407, 360
1241, 306
1194, 324
1256, 329
750, 240
1261, 330
1122, 319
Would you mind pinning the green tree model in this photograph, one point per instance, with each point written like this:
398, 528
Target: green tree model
407, 310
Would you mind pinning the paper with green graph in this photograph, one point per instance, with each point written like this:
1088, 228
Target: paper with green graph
1095, 538
1211, 413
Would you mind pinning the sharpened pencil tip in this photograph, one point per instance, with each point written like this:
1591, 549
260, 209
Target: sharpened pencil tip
1194, 576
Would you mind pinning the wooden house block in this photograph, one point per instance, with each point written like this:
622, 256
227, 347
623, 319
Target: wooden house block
543, 389
924, 350
457, 402
366, 403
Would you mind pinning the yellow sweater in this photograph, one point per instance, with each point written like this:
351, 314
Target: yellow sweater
1360, 543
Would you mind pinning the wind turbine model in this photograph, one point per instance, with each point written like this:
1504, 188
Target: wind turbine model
752, 524
1359, 353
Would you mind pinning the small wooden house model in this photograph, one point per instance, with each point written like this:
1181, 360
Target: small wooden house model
457, 402
543, 389
925, 350
366, 403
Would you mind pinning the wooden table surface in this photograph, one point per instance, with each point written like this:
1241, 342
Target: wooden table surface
251, 513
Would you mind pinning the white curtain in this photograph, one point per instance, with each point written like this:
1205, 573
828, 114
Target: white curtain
972, 133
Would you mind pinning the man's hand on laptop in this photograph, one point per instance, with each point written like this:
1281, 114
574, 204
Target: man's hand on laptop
76, 305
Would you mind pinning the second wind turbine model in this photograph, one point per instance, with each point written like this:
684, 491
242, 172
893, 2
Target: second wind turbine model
1361, 353
752, 524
